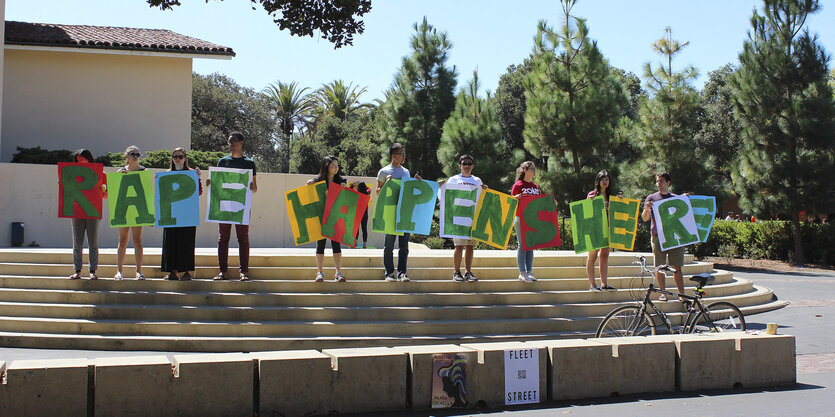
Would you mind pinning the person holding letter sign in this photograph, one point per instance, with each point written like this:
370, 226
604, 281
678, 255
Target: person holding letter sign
178, 242
395, 170
235, 159
132, 155
465, 163
90, 227
673, 257
522, 187
602, 187
329, 172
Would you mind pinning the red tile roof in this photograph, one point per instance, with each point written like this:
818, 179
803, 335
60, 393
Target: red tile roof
104, 37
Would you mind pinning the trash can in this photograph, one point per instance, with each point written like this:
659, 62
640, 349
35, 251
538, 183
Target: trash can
17, 233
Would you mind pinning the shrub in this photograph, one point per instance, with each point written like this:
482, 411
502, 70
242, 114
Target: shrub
37, 155
162, 158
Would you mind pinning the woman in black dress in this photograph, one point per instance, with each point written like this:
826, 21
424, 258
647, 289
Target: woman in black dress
178, 242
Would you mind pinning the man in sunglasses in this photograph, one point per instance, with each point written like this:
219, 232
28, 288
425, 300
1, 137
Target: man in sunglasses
465, 163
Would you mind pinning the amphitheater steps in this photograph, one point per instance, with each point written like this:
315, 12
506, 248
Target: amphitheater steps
283, 309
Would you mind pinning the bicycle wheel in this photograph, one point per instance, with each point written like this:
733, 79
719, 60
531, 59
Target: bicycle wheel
719, 317
626, 321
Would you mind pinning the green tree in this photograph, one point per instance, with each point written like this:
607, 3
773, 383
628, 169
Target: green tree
220, 106
336, 21
336, 99
291, 109
509, 104
668, 121
573, 103
306, 155
785, 105
473, 129
718, 139
420, 100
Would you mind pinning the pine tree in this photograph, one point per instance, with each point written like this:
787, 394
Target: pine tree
668, 121
473, 129
573, 102
420, 100
785, 105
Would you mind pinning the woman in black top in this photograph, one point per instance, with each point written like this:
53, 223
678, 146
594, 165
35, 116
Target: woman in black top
178, 242
329, 172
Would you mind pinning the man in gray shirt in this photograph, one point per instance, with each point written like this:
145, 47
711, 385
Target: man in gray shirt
395, 170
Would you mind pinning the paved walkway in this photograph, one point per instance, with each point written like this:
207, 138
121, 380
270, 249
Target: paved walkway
809, 318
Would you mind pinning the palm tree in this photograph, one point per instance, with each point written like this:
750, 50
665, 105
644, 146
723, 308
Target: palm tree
292, 109
339, 100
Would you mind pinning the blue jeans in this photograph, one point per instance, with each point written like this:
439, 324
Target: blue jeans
402, 254
524, 258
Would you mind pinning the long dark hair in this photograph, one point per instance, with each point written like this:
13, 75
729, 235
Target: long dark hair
171, 166
323, 170
598, 178
83, 153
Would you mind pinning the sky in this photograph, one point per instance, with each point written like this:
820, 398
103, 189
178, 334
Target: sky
488, 35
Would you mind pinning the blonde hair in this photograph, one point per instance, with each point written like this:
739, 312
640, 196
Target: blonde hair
131, 148
520, 172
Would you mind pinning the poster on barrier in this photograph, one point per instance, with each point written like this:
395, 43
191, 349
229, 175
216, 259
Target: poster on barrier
521, 376
589, 224
306, 208
623, 222
80, 190
458, 203
230, 196
704, 212
384, 216
494, 217
130, 199
449, 380
416, 205
539, 222
343, 214
177, 198
674, 222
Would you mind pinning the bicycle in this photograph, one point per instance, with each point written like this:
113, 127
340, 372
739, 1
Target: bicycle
640, 319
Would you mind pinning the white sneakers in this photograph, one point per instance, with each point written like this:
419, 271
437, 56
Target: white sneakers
527, 277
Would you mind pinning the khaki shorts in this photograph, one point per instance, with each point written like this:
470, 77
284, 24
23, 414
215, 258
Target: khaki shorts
672, 257
464, 242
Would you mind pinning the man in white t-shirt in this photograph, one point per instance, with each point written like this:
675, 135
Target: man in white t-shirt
465, 163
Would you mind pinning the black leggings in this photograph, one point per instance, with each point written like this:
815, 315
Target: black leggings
320, 246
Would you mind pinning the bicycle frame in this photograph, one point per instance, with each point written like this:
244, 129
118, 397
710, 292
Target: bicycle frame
693, 304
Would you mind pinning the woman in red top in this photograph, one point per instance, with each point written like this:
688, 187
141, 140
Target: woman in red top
524, 186
602, 186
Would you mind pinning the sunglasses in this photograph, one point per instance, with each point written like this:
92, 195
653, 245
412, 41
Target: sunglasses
178, 157
466, 164
135, 154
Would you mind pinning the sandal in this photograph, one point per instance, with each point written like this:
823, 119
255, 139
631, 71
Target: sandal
220, 277
244, 276
118, 276
139, 276
185, 277
93, 275
76, 275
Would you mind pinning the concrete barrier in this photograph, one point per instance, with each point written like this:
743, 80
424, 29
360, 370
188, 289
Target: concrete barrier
134, 386
704, 362
763, 360
489, 372
55, 387
368, 379
212, 385
578, 368
641, 364
420, 362
295, 383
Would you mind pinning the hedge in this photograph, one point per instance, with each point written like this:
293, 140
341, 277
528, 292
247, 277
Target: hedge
154, 159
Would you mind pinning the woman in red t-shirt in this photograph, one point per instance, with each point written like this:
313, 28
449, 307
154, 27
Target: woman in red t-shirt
524, 186
602, 186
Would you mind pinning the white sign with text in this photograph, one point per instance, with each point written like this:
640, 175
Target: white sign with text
521, 376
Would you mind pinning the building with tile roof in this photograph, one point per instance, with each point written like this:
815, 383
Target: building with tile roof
102, 88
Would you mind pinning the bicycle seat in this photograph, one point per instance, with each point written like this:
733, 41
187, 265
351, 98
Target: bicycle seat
703, 279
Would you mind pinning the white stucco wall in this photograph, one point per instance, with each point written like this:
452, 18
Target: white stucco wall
29, 194
2, 54
104, 102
